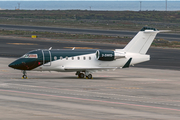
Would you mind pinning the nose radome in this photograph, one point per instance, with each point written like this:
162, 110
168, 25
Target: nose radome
12, 65
18, 64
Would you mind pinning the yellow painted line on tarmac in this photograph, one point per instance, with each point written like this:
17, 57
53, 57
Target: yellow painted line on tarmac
23, 78
6, 55
113, 88
22, 43
134, 88
131, 88
3, 70
81, 47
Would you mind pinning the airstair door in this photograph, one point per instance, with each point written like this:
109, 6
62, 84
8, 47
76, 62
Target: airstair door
46, 57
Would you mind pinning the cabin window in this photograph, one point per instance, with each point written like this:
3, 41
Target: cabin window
66, 57
78, 58
84, 58
89, 58
61, 58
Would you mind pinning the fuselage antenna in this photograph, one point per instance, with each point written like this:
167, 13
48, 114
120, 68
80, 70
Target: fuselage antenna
50, 48
73, 48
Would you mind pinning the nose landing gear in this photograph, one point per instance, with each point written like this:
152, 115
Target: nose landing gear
24, 75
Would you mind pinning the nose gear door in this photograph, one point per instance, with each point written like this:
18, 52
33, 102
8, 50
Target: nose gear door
46, 57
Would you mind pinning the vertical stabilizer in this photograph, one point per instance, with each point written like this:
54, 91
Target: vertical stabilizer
142, 41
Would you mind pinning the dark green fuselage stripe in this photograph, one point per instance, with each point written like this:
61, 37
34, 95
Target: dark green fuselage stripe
31, 63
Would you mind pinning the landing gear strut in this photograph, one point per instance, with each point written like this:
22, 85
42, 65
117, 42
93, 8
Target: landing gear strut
82, 75
24, 75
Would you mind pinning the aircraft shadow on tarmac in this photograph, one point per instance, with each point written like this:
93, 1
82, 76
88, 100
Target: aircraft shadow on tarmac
73, 78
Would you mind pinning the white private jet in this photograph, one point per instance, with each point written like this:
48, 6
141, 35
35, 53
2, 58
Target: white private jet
85, 62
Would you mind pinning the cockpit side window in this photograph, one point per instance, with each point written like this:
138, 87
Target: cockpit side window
25, 56
30, 56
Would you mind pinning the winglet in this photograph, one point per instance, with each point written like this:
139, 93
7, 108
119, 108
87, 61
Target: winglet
127, 63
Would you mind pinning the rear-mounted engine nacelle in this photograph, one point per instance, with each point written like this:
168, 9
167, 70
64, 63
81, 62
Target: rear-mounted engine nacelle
106, 55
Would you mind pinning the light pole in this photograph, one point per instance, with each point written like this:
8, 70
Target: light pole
140, 5
19, 5
166, 5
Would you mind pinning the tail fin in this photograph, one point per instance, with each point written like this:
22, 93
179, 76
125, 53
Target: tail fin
142, 41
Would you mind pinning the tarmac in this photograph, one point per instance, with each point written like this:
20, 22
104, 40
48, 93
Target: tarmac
166, 36
147, 91
125, 94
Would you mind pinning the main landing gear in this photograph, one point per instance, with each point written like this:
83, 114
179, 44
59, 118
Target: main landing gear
82, 75
24, 74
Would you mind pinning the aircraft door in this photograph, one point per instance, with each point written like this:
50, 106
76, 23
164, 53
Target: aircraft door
46, 57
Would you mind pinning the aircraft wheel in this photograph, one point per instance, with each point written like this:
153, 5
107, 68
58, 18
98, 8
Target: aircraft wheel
24, 77
81, 75
89, 76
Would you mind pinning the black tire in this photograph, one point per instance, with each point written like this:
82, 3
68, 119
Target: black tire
89, 76
81, 75
24, 77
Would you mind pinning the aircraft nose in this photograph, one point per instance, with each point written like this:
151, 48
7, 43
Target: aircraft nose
16, 64
19, 64
11, 65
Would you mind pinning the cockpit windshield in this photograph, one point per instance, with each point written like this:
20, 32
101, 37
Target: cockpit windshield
30, 56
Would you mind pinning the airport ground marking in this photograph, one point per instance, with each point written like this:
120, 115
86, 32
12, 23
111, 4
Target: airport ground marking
22, 43
50, 91
3, 70
80, 48
92, 100
125, 88
84, 91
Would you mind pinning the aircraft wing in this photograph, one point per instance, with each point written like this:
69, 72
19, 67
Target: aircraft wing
88, 68
97, 68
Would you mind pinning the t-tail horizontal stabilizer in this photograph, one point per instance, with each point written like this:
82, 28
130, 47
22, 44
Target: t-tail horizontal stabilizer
127, 63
